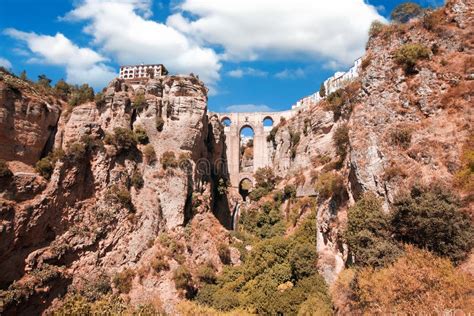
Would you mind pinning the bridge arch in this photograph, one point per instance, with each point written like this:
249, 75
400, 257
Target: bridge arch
268, 121
246, 185
226, 121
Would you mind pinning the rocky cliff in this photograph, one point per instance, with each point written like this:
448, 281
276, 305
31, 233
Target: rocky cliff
402, 127
137, 164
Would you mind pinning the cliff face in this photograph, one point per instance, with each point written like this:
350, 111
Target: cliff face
109, 197
402, 128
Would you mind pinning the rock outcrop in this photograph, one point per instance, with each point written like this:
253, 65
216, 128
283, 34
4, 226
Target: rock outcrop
109, 197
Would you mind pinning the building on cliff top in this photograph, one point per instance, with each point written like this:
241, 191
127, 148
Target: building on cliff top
136, 73
339, 80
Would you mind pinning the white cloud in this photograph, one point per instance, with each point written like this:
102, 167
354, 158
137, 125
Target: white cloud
83, 65
5, 63
252, 72
297, 73
122, 29
249, 29
248, 108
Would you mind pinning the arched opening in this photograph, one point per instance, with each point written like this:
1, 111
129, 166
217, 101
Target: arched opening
246, 149
226, 121
268, 121
245, 187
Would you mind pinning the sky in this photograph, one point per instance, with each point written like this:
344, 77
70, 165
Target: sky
254, 55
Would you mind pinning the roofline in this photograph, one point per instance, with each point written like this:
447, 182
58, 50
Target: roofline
143, 65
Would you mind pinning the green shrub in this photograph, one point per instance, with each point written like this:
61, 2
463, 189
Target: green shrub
341, 140
322, 90
328, 185
258, 193
160, 123
207, 274
335, 103
76, 151
428, 217
62, 89
120, 195
376, 28
99, 99
137, 180
123, 280
264, 223
408, 55
168, 160
149, 153
45, 166
123, 139
368, 233
5, 172
81, 95
316, 304
44, 82
139, 102
182, 278
159, 264
271, 136
406, 11
140, 135
289, 192
265, 178
401, 137
307, 126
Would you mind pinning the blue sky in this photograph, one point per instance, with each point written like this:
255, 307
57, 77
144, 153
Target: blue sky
255, 55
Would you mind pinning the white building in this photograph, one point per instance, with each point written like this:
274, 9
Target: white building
142, 71
339, 80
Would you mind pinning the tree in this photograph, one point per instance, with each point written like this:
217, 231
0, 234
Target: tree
62, 89
409, 54
23, 75
405, 12
44, 81
265, 178
368, 233
428, 217
322, 90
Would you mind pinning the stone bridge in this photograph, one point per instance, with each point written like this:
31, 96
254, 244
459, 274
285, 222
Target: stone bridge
262, 150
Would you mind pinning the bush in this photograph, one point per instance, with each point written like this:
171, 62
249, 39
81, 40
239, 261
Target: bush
76, 151
159, 264
271, 136
258, 193
417, 283
45, 166
120, 195
322, 90
137, 180
265, 178
341, 140
406, 11
429, 218
401, 137
264, 223
123, 280
316, 304
207, 274
139, 102
149, 153
168, 160
335, 102
376, 28
409, 54
289, 192
123, 139
81, 95
99, 99
140, 135
368, 233
224, 253
182, 278
5, 172
328, 185
160, 123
